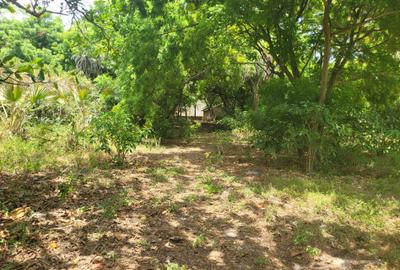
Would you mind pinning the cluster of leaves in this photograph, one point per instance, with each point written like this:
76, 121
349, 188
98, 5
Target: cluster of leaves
284, 124
315, 85
29, 49
115, 130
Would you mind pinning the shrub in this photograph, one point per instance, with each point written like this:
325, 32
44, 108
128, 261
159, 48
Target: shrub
114, 131
39, 149
175, 128
293, 123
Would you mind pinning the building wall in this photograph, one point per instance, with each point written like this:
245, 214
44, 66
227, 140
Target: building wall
195, 110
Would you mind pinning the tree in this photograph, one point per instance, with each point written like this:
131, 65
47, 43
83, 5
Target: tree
304, 41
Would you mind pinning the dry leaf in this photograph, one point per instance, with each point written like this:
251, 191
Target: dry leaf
4, 233
18, 213
53, 245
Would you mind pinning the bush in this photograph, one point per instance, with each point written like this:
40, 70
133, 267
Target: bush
40, 148
287, 123
175, 128
114, 131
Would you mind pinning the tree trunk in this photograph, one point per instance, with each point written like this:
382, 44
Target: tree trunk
315, 125
327, 52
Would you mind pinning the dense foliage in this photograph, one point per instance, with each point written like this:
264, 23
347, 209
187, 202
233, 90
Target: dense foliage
315, 80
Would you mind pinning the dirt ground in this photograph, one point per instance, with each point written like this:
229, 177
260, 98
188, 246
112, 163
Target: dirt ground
188, 206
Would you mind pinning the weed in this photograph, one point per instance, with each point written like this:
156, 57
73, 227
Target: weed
112, 204
271, 213
262, 261
162, 174
313, 251
143, 243
199, 241
257, 188
179, 188
209, 185
174, 266
9, 266
212, 187
232, 197
230, 178
212, 158
111, 255
83, 209
68, 187
194, 198
302, 236
173, 207
18, 233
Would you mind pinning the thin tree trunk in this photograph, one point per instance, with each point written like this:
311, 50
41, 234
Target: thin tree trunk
327, 52
315, 125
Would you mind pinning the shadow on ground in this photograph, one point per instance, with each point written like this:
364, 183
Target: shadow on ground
128, 218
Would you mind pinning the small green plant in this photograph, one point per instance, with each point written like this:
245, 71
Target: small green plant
313, 251
173, 207
112, 204
232, 197
302, 237
262, 261
9, 266
209, 185
162, 174
115, 131
192, 198
68, 187
230, 178
199, 241
143, 243
179, 188
212, 188
270, 213
213, 158
19, 233
174, 266
83, 209
158, 175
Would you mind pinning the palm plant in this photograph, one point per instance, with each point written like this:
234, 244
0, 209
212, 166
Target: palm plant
13, 108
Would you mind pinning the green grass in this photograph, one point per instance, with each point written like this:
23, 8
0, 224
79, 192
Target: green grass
143, 243
112, 204
41, 147
262, 261
174, 266
209, 185
348, 213
199, 241
164, 174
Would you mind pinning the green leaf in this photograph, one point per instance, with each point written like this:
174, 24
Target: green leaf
25, 68
18, 76
42, 76
7, 58
13, 93
11, 8
32, 77
38, 61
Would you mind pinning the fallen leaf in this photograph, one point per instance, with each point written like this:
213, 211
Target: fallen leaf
53, 245
18, 213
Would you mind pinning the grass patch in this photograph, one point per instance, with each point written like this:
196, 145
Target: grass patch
163, 174
262, 261
199, 241
209, 185
111, 205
